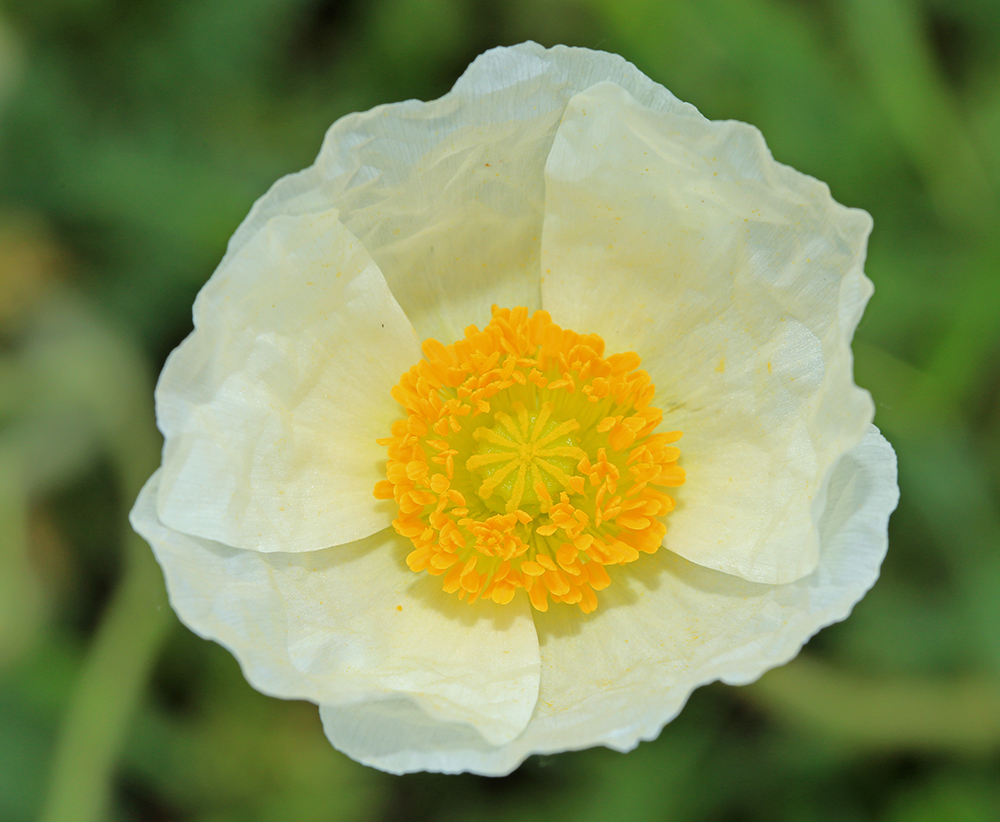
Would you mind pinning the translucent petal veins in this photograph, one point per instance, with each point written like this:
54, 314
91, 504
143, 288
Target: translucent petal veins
528, 460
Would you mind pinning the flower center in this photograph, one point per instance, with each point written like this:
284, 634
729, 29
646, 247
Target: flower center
528, 460
525, 457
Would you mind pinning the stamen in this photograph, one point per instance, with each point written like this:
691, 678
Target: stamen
527, 460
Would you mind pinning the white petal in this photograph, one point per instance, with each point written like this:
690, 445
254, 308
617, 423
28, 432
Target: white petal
272, 406
676, 625
739, 282
664, 627
352, 625
396, 736
448, 196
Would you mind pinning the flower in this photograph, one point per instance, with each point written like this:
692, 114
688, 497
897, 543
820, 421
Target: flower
558, 180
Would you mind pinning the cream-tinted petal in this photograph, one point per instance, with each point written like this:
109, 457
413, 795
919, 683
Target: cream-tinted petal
664, 627
739, 282
448, 195
351, 625
395, 735
271, 407
675, 625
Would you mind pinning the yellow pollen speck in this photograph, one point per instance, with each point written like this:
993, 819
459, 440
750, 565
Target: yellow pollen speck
528, 460
721, 366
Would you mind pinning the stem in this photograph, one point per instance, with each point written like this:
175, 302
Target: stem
961, 715
895, 55
111, 387
111, 684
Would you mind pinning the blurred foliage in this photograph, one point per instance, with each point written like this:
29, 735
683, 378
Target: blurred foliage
134, 138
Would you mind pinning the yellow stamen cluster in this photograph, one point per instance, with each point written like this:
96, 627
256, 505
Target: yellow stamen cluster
528, 460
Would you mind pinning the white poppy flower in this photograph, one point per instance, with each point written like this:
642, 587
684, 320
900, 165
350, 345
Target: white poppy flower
562, 181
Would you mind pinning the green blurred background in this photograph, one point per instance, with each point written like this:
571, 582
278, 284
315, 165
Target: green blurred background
134, 137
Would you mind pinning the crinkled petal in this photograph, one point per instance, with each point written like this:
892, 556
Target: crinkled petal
676, 625
352, 626
617, 676
448, 195
739, 282
397, 736
272, 406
